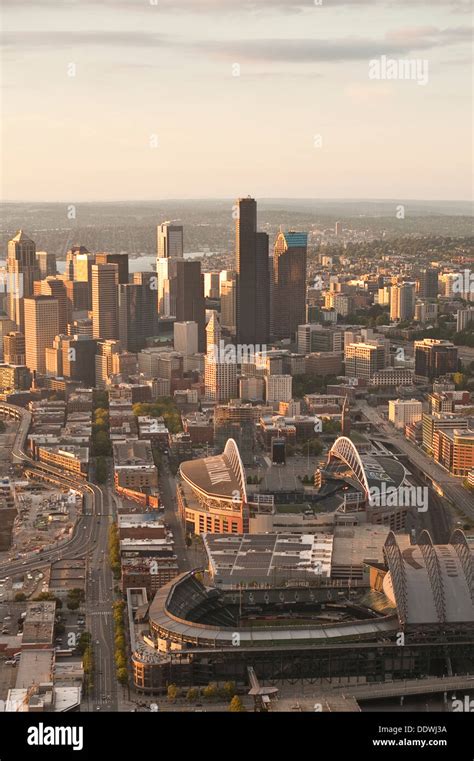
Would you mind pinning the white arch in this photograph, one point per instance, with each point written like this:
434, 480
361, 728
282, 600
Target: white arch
231, 451
344, 449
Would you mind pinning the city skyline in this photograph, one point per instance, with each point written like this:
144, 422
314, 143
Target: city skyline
94, 91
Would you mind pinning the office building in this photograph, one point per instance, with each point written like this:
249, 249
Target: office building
289, 283
46, 264
22, 271
104, 301
402, 412
121, 260
55, 287
278, 388
402, 301
464, 317
190, 303
14, 348
220, 375
253, 280
435, 357
362, 360
186, 337
427, 283
228, 305
212, 285
169, 241
42, 318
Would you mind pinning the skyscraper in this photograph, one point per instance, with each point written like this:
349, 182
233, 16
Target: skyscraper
42, 318
427, 283
190, 303
136, 320
435, 357
220, 375
185, 337
169, 241
121, 260
46, 264
78, 359
22, 271
104, 301
14, 348
253, 287
289, 283
228, 294
402, 301
56, 287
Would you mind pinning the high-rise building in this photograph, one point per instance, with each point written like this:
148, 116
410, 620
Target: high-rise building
104, 301
22, 271
212, 285
427, 283
435, 357
78, 359
14, 348
289, 283
186, 337
42, 318
46, 264
169, 241
464, 317
166, 286
148, 281
77, 293
103, 358
220, 375
133, 318
121, 260
6, 326
362, 360
190, 303
278, 388
55, 287
253, 283
402, 301
228, 301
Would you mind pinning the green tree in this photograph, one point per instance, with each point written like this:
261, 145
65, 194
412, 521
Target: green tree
211, 691
236, 705
19, 597
172, 692
192, 694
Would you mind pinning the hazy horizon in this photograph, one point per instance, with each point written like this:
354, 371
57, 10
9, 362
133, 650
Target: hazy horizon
128, 100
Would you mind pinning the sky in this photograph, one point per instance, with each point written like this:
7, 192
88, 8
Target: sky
114, 100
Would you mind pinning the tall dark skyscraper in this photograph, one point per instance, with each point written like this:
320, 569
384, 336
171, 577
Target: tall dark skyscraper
289, 283
253, 286
121, 260
136, 313
427, 283
190, 302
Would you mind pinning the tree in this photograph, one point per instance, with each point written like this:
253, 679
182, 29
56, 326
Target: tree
210, 691
236, 705
20, 596
122, 675
229, 689
3, 427
172, 692
192, 694
72, 603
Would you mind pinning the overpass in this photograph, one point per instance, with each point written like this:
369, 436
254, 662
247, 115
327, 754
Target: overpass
405, 687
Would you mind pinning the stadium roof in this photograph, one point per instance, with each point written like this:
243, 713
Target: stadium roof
431, 584
221, 476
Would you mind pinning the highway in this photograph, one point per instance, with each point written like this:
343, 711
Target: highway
452, 487
89, 539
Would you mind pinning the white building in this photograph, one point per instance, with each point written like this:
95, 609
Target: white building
185, 337
279, 388
402, 412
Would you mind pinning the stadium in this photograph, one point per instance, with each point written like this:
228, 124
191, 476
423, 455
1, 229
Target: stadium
330, 629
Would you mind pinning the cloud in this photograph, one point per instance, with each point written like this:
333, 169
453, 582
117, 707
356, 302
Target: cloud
57, 39
396, 43
226, 6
